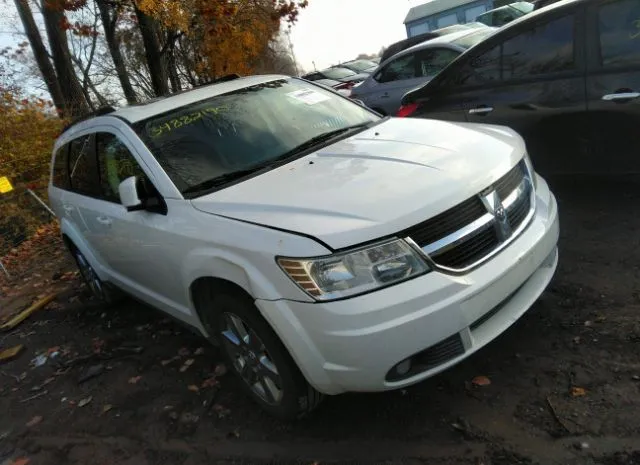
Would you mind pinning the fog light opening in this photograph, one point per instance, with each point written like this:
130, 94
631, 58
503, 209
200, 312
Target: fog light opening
403, 367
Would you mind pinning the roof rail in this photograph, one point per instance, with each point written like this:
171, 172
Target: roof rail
99, 112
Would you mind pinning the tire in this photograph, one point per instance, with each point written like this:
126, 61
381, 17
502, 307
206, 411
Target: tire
101, 291
284, 393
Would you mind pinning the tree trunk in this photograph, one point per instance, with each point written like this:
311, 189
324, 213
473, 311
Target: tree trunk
75, 102
155, 61
41, 54
109, 24
176, 85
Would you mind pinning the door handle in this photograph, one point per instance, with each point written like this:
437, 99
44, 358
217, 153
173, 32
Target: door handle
104, 220
621, 96
480, 111
385, 95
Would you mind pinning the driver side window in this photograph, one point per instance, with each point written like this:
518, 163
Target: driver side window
115, 163
399, 69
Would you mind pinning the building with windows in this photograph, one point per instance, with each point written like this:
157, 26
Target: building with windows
436, 14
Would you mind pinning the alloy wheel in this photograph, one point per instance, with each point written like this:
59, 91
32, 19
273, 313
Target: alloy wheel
251, 359
90, 276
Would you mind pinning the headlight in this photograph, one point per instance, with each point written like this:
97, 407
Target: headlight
532, 172
356, 271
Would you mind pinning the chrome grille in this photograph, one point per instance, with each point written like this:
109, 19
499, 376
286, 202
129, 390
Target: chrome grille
471, 232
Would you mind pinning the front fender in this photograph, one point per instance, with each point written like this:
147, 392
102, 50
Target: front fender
73, 235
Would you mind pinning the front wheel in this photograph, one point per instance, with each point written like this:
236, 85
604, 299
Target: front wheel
257, 356
100, 290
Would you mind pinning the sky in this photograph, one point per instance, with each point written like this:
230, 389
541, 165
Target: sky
327, 31
330, 31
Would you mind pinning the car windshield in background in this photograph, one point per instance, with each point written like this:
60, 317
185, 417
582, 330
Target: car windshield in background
473, 38
361, 65
206, 144
338, 73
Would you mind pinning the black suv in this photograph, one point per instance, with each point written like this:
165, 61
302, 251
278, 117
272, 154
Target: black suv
566, 77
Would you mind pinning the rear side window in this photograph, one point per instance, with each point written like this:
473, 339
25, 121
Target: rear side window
545, 49
81, 167
60, 168
481, 69
619, 24
432, 61
399, 69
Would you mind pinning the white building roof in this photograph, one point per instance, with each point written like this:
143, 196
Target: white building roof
433, 7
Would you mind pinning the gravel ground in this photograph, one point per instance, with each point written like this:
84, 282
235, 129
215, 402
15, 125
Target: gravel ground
565, 380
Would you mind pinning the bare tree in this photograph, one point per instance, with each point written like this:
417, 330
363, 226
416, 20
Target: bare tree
41, 55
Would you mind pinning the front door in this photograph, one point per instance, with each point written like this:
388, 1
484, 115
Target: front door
133, 244
613, 85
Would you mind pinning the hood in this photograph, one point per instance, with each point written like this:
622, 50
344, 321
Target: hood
375, 183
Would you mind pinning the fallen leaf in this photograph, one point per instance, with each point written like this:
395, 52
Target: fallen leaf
134, 379
186, 365
220, 370
34, 421
183, 352
193, 388
169, 360
199, 351
221, 411
20, 461
481, 381
85, 401
9, 354
210, 382
578, 391
106, 408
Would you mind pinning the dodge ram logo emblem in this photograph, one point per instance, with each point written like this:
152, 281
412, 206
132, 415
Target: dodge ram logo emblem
493, 204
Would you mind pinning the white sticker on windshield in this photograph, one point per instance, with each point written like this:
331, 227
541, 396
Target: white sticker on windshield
308, 96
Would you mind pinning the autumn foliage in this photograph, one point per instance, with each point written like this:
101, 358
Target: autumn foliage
228, 36
29, 128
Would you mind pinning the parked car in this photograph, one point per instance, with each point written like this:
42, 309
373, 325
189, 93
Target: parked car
323, 248
566, 77
359, 66
348, 77
542, 3
383, 90
498, 17
334, 85
404, 44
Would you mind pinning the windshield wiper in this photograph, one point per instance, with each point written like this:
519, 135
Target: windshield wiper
325, 136
234, 175
218, 181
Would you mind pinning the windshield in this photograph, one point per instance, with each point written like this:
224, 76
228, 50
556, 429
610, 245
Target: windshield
338, 73
473, 38
234, 132
361, 65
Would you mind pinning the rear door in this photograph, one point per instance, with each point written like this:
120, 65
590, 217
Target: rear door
535, 84
613, 85
385, 88
82, 187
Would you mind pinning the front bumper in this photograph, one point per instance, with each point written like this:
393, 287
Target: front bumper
351, 345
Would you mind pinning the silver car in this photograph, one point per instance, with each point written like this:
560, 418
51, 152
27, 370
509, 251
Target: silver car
382, 91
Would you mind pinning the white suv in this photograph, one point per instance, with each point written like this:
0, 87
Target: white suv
324, 248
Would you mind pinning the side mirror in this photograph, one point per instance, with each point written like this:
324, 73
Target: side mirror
129, 196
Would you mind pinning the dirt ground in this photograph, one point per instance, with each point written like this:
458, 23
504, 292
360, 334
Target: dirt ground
565, 380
